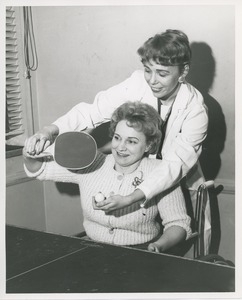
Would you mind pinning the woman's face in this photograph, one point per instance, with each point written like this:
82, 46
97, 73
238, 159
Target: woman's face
163, 80
128, 145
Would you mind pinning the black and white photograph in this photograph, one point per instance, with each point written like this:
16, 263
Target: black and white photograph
121, 170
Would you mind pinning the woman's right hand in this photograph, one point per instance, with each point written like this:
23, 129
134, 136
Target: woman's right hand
153, 247
42, 139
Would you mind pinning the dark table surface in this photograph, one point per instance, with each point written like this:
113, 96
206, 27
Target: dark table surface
38, 262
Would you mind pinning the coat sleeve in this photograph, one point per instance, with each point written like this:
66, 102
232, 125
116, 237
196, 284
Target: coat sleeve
182, 155
85, 115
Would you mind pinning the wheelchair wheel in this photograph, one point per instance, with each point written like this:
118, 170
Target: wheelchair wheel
216, 259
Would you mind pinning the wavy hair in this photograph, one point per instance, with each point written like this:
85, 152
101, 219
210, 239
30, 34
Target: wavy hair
141, 116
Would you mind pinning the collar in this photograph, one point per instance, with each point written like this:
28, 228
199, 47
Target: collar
136, 172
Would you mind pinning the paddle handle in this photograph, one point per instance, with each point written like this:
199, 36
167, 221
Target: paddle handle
49, 151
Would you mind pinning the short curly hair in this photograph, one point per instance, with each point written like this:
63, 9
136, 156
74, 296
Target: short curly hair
141, 116
169, 48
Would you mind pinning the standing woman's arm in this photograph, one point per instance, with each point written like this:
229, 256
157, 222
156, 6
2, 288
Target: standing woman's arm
85, 115
176, 163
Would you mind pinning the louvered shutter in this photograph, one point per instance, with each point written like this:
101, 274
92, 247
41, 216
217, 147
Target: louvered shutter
14, 124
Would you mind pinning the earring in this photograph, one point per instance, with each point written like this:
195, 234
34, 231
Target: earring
181, 79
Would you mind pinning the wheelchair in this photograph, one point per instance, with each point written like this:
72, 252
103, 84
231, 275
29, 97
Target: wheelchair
196, 240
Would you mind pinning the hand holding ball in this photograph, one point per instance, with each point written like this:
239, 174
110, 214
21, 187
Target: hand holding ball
99, 197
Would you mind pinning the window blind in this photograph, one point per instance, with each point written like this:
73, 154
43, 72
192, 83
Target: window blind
14, 122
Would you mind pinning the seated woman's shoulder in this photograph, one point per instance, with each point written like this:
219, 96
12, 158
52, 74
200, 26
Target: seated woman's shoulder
151, 161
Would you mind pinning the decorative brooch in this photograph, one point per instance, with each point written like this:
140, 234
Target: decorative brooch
137, 181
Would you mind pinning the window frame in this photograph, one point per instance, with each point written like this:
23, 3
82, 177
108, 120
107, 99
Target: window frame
27, 93
14, 166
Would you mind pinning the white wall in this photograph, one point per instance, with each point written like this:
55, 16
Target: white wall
25, 205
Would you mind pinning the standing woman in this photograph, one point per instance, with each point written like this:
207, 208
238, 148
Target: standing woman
166, 60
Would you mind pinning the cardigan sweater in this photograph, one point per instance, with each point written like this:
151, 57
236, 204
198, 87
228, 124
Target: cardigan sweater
127, 226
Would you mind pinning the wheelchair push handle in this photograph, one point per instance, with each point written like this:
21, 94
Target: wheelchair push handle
208, 184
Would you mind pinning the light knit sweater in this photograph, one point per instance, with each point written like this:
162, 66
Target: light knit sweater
127, 226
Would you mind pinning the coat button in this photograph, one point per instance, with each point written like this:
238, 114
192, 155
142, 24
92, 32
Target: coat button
120, 177
111, 230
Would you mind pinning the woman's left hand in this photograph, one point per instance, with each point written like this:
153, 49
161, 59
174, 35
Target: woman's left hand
113, 202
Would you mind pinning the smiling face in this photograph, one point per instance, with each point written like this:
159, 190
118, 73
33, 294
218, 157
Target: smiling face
163, 80
128, 147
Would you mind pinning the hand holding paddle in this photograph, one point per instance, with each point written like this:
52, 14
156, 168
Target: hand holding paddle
41, 140
72, 150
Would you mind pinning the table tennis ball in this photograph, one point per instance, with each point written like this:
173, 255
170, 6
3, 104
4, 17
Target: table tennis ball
99, 197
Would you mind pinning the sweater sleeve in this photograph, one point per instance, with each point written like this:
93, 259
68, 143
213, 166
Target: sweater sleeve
85, 115
50, 170
172, 210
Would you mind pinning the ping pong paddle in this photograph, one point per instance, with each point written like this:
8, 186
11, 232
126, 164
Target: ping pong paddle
73, 150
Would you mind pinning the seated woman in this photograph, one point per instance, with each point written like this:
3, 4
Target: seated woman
135, 134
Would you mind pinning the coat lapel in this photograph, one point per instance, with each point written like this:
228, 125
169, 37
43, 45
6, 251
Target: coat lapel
180, 104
